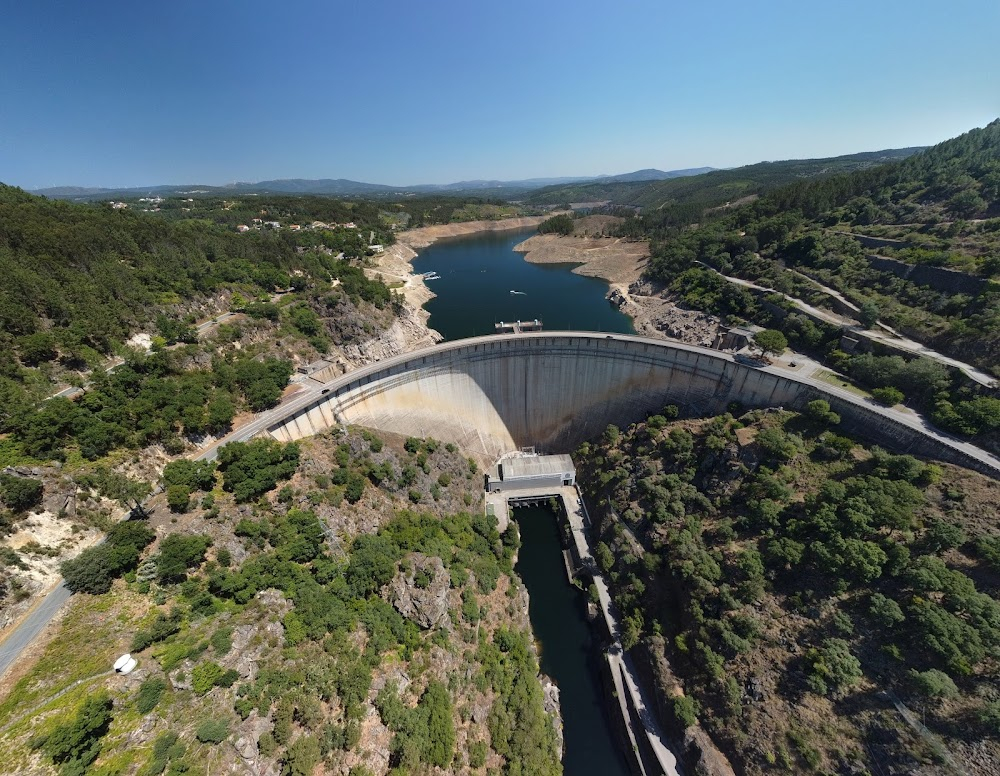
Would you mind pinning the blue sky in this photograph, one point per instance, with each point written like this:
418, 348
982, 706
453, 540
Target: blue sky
109, 93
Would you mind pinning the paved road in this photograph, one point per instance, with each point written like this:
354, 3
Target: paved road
201, 328
883, 334
309, 393
907, 417
15, 642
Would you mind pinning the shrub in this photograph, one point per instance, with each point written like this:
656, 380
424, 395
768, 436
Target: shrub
942, 535
212, 731
162, 628
149, 694
560, 224
178, 498
819, 412
20, 493
178, 553
888, 396
302, 757
685, 710
934, 683
990, 718
354, 487
74, 745
833, 666
222, 641
94, 569
436, 704
477, 754
207, 675
885, 611
777, 444
196, 475
251, 469
167, 747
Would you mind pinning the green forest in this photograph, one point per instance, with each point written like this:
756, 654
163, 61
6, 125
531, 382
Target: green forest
83, 278
790, 574
691, 194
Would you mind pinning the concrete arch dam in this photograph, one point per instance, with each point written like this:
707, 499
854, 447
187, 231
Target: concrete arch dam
494, 394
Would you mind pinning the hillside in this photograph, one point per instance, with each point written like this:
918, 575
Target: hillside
936, 284
711, 189
343, 601
83, 277
167, 334
782, 584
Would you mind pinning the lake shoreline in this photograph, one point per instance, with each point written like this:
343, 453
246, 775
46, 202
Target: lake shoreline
395, 266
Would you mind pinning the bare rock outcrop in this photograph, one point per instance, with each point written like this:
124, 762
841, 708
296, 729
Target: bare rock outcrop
408, 332
420, 591
550, 702
704, 757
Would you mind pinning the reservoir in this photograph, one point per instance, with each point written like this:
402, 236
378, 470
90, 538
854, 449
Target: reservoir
557, 612
478, 272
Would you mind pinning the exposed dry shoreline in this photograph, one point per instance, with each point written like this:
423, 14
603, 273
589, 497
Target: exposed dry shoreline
621, 264
613, 260
426, 235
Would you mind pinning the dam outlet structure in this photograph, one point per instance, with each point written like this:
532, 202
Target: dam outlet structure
552, 391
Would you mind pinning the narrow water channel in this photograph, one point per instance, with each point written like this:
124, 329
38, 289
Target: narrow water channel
477, 274
557, 612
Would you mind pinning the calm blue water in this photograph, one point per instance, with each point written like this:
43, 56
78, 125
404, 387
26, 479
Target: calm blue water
479, 272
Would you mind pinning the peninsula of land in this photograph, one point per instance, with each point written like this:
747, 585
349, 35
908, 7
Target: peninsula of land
621, 263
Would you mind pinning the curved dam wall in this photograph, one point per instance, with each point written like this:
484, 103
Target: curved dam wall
494, 394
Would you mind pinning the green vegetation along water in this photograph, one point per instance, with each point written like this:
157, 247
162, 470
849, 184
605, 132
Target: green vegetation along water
478, 274
556, 611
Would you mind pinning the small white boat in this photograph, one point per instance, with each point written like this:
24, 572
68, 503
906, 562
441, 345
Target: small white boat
520, 293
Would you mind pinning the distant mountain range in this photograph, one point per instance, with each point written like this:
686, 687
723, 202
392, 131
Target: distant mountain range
348, 188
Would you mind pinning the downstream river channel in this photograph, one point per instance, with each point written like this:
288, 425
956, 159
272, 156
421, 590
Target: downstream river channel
477, 274
556, 609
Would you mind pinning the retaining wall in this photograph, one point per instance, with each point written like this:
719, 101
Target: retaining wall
947, 281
